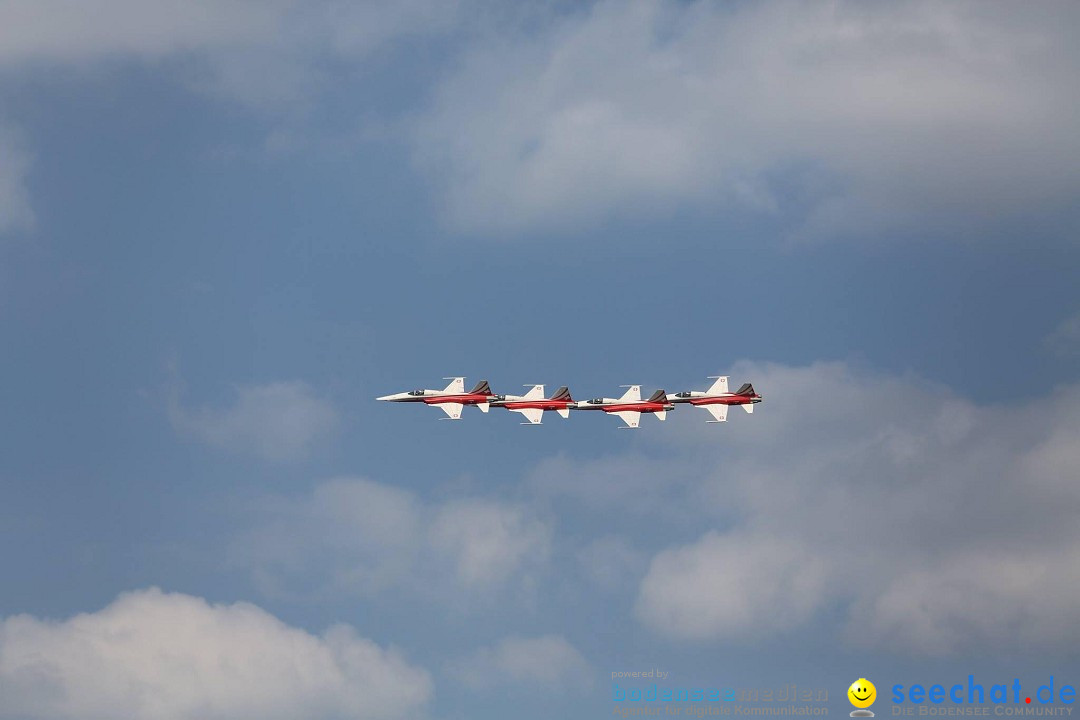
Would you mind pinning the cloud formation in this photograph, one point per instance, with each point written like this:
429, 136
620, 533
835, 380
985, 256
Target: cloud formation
278, 421
57, 32
272, 57
369, 537
729, 585
152, 655
888, 499
842, 119
265, 55
835, 119
486, 541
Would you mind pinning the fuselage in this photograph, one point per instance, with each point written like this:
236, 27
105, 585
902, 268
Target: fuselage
611, 405
542, 404
437, 397
700, 398
463, 399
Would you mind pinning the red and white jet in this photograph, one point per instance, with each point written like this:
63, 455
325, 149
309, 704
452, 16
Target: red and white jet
630, 406
533, 403
717, 399
451, 399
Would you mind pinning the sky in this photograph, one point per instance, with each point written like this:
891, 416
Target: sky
227, 226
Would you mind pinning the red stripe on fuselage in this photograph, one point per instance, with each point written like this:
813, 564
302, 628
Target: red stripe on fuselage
645, 407
466, 399
536, 404
728, 400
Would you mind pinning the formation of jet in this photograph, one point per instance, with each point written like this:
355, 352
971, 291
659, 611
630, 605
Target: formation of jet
628, 408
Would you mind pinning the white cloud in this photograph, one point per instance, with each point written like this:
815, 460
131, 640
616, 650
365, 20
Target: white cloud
548, 662
970, 599
843, 117
487, 541
263, 54
367, 538
272, 56
729, 585
371, 535
57, 31
278, 421
60, 31
15, 211
835, 119
886, 501
152, 655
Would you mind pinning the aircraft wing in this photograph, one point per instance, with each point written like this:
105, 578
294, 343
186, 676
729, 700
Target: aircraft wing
533, 415
453, 410
633, 394
718, 411
630, 417
456, 386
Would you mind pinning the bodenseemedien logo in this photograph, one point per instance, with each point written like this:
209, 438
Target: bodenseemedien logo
862, 695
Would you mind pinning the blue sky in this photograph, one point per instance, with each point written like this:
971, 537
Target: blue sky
226, 227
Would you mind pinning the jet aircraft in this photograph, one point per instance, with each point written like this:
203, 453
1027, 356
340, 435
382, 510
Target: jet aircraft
533, 403
451, 399
717, 399
630, 406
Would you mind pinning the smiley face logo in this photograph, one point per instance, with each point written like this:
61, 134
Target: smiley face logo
862, 693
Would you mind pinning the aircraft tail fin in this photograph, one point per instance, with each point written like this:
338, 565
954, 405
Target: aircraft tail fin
747, 390
659, 396
482, 388
563, 393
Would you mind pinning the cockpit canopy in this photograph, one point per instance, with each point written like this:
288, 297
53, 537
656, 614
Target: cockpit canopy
416, 392
597, 401
683, 394
498, 397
